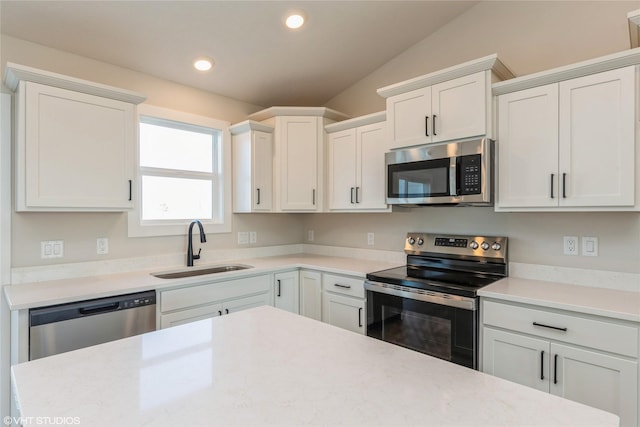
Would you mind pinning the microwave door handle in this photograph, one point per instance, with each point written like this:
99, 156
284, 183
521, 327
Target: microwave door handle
452, 177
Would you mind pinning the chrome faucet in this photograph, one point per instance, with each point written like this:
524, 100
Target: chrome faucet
203, 239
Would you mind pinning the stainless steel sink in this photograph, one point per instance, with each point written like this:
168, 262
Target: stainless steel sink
200, 271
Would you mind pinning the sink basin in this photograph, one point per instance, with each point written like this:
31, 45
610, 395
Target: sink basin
200, 271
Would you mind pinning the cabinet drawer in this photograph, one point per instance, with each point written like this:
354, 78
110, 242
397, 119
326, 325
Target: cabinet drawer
598, 334
213, 292
351, 286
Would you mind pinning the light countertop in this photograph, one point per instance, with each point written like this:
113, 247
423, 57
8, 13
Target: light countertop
624, 305
265, 366
38, 294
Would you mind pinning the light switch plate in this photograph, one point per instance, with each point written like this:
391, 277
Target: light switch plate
51, 249
589, 246
243, 237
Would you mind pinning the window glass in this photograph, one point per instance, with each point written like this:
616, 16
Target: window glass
183, 173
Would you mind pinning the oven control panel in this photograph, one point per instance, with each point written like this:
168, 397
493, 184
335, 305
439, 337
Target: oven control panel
484, 246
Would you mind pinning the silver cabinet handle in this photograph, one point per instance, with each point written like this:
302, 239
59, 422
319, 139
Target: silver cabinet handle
342, 286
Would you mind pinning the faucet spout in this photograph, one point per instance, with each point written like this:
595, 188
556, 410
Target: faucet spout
203, 239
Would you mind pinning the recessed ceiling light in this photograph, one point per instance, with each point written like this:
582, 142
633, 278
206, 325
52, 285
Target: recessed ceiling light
202, 64
295, 20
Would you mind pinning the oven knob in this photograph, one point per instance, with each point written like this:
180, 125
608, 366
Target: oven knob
474, 245
411, 240
484, 246
496, 246
420, 241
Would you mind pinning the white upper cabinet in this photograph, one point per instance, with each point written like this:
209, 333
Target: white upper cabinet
252, 158
299, 155
454, 103
569, 145
356, 164
74, 143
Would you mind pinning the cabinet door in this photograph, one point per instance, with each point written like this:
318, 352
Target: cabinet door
342, 169
595, 379
245, 303
78, 151
527, 148
299, 147
344, 312
597, 139
459, 108
287, 293
407, 116
370, 167
262, 161
516, 358
190, 315
311, 294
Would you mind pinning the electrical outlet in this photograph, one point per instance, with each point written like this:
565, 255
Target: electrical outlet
52, 249
370, 238
243, 237
253, 237
310, 235
570, 245
590, 246
102, 245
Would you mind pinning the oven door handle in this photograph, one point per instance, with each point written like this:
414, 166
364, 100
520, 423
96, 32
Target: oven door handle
456, 301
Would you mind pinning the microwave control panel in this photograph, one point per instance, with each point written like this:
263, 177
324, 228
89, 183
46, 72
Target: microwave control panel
470, 172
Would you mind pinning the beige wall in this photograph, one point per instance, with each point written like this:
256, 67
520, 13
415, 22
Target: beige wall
528, 36
80, 230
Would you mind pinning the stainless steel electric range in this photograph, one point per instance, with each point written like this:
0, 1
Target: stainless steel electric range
431, 304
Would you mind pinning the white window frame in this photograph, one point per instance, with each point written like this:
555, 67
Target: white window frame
139, 228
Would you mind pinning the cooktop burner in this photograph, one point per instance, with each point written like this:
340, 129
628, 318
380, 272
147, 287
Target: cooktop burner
456, 265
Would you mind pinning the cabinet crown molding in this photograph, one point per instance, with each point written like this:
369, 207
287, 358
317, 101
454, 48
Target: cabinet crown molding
15, 73
489, 62
580, 69
298, 111
368, 119
249, 125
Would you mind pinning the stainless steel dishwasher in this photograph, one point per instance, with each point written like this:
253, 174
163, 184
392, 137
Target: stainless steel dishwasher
65, 327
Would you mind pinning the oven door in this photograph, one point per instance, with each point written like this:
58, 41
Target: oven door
439, 325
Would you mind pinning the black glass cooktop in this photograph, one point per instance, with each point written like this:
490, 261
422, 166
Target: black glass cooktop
449, 282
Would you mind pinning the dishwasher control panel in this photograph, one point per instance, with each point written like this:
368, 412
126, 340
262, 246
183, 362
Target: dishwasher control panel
139, 301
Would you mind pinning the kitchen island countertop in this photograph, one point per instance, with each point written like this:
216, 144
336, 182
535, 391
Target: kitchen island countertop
265, 366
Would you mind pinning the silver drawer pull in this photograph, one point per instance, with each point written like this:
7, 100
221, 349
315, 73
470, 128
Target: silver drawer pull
342, 286
557, 328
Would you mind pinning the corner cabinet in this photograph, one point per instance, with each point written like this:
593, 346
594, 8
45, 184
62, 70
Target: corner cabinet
252, 157
287, 291
299, 155
454, 103
357, 165
587, 359
569, 145
74, 143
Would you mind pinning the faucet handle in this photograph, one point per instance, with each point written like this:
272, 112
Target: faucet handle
197, 256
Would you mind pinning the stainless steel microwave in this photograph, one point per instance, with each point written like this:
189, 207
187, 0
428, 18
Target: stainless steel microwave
454, 173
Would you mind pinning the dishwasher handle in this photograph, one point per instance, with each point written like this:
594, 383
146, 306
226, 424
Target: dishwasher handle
104, 308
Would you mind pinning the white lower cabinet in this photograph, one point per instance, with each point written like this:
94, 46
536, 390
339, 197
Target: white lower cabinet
587, 359
287, 291
343, 302
311, 294
188, 304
